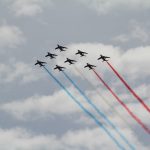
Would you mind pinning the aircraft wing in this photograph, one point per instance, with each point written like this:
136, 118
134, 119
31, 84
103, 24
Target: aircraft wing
100, 57
93, 66
64, 47
62, 67
43, 62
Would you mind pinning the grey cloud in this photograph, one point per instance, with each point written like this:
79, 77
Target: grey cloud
42, 106
104, 7
10, 36
136, 32
27, 7
22, 139
18, 71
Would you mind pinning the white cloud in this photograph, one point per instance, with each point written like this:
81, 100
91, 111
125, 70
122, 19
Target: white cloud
57, 104
89, 139
94, 50
132, 63
10, 36
21, 139
27, 7
106, 6
135, 60
49, 106
18, 71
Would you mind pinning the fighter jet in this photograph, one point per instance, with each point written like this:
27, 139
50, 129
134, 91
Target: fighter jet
81, 53
61, 48
52, 56
59, 68
104, 58
40, 63
89, 66
70, 61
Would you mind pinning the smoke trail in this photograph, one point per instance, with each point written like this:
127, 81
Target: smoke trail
102, 97
85, 110
123, 104
129, 88
98, 111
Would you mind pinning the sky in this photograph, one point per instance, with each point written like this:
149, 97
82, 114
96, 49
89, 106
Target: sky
35, 113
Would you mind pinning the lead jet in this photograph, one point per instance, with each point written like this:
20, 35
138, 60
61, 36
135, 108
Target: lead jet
52, 56
59, 68
70, 61
61, 48
89, 66
81, 53
104, 58
40, 63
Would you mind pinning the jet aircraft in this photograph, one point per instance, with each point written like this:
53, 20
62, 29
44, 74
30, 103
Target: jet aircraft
89, 66
70, 61
59, 68
61, 48
81, 53
40, 63
52, 56
104, 58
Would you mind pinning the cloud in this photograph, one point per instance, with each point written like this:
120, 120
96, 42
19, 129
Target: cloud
10, 36
94, 138
21, 139
136, 32
18, 71
136, 60
123, 38
131, 63
34, 7
52, 105
57, 104
27, 7
94, 50
106, 6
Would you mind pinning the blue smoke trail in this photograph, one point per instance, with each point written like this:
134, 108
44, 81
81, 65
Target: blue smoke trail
85, 110
99, 112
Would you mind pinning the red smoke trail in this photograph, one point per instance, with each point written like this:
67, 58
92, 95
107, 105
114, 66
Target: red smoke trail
102, 97
129, 88
123, 104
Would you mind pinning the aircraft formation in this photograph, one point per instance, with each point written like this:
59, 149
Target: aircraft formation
88, 99
68, 60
